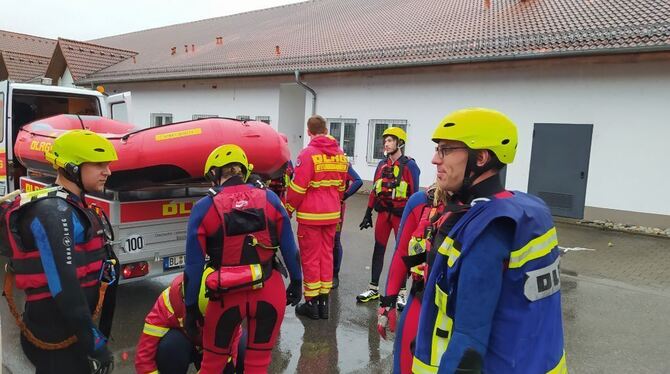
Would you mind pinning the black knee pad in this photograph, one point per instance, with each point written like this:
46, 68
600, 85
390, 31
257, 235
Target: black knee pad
266, 319
226, 327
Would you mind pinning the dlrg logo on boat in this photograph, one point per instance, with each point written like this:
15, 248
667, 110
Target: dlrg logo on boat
40, 146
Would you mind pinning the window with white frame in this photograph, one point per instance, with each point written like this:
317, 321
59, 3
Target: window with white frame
160, 119
243, 117
201, 116
376, 128
265, 119
344, 130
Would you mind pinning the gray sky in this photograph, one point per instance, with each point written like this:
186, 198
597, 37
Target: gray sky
91, 19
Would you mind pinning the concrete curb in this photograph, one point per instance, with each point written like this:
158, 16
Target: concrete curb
575, 222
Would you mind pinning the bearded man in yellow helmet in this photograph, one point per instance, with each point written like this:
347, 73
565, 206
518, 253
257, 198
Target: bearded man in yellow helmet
396, 179
492, 302
59, 253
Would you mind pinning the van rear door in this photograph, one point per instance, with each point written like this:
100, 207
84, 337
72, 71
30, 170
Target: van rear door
118, 106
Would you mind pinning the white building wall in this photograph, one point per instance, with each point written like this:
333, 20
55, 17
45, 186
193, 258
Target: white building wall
625, 102
183, 99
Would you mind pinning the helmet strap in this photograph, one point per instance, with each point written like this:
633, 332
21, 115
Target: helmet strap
73, 174
472, 172
214, 176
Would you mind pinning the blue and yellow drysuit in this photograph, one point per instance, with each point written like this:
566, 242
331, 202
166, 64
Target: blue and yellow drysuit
495, 292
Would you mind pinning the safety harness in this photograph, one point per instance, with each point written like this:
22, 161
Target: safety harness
419, 243
95, 262
244, 219
391, 189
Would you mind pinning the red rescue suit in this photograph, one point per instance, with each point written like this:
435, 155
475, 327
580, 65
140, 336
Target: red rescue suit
315, 194
413, 254
239, 227
280, 185
394, 182
167, 314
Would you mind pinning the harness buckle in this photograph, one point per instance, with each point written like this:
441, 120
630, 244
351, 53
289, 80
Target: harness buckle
108, 272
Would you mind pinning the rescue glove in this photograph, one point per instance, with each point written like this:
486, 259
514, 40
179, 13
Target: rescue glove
471, 363
101, 361
367, 220
294, 292
386, 315
193, 322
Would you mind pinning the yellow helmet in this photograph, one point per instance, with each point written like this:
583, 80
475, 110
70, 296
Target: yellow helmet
480, 128
397, 132
203, 300
228, 154
78, 146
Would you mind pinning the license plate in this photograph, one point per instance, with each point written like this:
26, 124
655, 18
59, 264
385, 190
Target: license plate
173, 262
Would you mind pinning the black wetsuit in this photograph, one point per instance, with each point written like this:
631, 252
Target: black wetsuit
54, 227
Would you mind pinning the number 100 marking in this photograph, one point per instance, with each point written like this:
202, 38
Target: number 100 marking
134, 243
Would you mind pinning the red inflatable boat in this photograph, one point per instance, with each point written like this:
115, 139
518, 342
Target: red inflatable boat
174, 153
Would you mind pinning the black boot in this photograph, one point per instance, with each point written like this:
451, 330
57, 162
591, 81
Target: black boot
308, 309
323, 306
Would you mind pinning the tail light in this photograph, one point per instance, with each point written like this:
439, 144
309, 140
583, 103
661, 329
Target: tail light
135, 269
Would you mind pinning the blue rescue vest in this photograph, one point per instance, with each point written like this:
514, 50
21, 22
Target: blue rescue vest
527, 332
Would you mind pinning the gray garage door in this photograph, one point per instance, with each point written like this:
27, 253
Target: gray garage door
559, 166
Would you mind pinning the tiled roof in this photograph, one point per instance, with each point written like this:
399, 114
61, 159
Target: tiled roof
85, 58
23, 67
335, 35
34, 45
24, 56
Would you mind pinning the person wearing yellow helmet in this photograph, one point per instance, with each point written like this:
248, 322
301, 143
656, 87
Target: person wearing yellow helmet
82, 160
233, 236
396, 179
164, 347
60, 255
493, 291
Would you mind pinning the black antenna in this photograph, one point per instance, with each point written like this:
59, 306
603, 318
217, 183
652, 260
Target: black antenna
81, 121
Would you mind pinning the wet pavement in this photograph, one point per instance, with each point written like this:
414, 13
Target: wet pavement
616, 304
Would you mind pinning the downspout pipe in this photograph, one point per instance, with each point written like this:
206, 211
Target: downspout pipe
308, 88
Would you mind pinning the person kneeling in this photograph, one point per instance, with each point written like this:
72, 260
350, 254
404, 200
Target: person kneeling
164, 346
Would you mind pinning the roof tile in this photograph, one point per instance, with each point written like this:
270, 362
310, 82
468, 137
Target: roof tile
23, 43
86, 58
329, 35
23, 67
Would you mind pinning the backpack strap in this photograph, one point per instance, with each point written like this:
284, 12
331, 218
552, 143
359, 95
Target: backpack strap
28, 197
402, 161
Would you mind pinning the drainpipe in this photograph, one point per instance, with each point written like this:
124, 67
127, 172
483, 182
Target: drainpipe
308, 88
